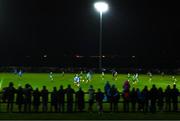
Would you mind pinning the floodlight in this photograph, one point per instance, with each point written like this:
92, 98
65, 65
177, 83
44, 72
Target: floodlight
101, 7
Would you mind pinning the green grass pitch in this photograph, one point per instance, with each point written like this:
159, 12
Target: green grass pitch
40, 79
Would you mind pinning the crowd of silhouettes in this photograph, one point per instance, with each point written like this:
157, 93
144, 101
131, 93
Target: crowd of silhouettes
134, 100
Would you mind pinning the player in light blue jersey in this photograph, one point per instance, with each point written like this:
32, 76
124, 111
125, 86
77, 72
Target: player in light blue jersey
174, 79
115, 74
150, 76
63, 73
129, 76
135, 78
15, 71
162, 74
102, 75
88, 77
81, 76
51, 76
20, 73
77, 80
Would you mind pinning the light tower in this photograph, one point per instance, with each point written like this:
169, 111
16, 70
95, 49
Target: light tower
101, 7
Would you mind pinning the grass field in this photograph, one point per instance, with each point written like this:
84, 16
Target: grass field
40, 79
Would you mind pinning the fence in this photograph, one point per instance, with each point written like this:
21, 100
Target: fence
106, 105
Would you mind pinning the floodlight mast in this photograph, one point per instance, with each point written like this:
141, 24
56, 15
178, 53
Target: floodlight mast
100, 43
101, 7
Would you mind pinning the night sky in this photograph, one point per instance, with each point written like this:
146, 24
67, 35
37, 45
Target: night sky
60, 29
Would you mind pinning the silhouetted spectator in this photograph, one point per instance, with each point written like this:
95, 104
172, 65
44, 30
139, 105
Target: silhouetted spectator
10, 97
126, 85
114, 98
145, 94
126, 97
91, 92
80, 99
160, 97
36, 99
54, 99
140, 99
44, 94
107, 88
61, 99
4, 94
133, 98
69, 94
153, 98
168, 98
19, 98
99, 101
111, 99
175, 94
27, 98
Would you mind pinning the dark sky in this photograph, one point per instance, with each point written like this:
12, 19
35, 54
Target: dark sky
148, 29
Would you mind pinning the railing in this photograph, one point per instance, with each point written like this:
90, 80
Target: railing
106, 105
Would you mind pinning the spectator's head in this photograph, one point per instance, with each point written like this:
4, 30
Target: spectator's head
160, 89
99, 90
113, 86
37, 89
44, 87
69, 86
61, 87
145, 87
19, 87
10, 84
133, 89
80, 88
154, 86
168, 87
26, 85
174, 86
90, 87
54, 88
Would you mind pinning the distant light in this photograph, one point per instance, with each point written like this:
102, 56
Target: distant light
45, 56
27, 56
133, 56
78, 56
101, 7
103, 56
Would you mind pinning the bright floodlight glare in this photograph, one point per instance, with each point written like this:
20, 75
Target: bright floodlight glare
101, 7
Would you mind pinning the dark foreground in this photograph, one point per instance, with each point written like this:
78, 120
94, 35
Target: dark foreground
88, 116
